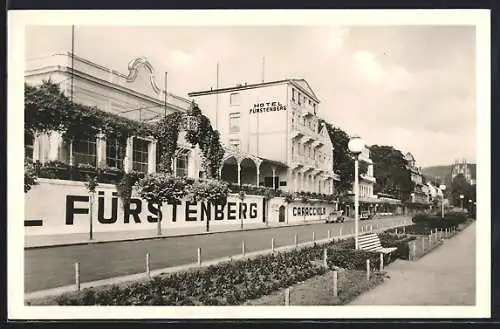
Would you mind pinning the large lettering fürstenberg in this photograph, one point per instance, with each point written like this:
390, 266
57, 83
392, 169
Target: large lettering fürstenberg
267, 107
136, 214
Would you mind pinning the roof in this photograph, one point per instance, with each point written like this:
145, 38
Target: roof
273, 162
300, 84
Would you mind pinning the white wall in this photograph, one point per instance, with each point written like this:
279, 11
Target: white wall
52, 201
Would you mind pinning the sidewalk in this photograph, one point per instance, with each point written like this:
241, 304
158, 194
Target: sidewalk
446, 276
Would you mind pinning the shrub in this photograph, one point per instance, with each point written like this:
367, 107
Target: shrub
30, 177
425, 222
389, 240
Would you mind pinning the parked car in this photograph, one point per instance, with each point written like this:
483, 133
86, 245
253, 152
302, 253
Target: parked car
335, 217
365, 215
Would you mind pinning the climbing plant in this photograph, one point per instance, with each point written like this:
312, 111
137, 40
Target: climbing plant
167, 133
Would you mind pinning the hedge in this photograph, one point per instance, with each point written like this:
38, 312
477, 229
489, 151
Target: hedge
451, 219
230, 283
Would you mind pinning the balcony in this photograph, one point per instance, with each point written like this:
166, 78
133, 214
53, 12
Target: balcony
368, 178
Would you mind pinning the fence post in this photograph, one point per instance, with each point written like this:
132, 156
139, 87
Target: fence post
325, 258
287, 296
77, 276
272, 245
296, 240
243, 247
148, 271
340, 232
404, 230
396, 231
381, 262
314, 238
329, 235
368, 270
371, 228
335, 283
199, 256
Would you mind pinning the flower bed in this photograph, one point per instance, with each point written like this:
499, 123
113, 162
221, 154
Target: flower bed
319, 290
230, 283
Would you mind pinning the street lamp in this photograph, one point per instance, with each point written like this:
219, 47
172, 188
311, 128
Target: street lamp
442, 187
462, 201
356, 145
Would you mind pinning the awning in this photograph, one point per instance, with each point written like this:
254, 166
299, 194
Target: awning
273, 162
389, 200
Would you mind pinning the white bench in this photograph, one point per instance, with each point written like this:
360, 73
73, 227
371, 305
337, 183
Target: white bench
371, 242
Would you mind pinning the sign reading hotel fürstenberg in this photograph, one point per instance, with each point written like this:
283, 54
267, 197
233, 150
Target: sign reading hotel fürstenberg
267, 107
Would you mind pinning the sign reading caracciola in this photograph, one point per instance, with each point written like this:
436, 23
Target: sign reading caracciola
267, 107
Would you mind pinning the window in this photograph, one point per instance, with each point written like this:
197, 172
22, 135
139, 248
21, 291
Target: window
314, 108
234, 99
29, 141
113, 150
140, 155
84, 152
293, 94
234, 122
181, 165
299, 99
309, 102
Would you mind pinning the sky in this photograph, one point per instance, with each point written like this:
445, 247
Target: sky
411, 87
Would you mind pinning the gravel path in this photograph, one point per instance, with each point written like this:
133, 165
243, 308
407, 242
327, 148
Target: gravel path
446, 276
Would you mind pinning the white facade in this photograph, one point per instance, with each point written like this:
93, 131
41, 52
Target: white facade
367, 180
278, 123
420, 193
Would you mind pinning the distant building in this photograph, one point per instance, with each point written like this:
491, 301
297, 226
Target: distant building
420, 193
464, 168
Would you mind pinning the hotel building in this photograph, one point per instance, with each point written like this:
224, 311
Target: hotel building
275, 134
420, 194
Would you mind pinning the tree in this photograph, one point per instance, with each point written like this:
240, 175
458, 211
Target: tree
158, 188
391, 172
30, 177
343, 159
209, 190
91, 185
459, 186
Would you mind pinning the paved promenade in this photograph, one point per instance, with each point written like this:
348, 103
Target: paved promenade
446, 276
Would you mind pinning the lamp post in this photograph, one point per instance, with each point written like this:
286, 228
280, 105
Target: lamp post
470, 206
462, 201
442, 187
355, 146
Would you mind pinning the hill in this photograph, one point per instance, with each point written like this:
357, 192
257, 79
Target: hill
444, 172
